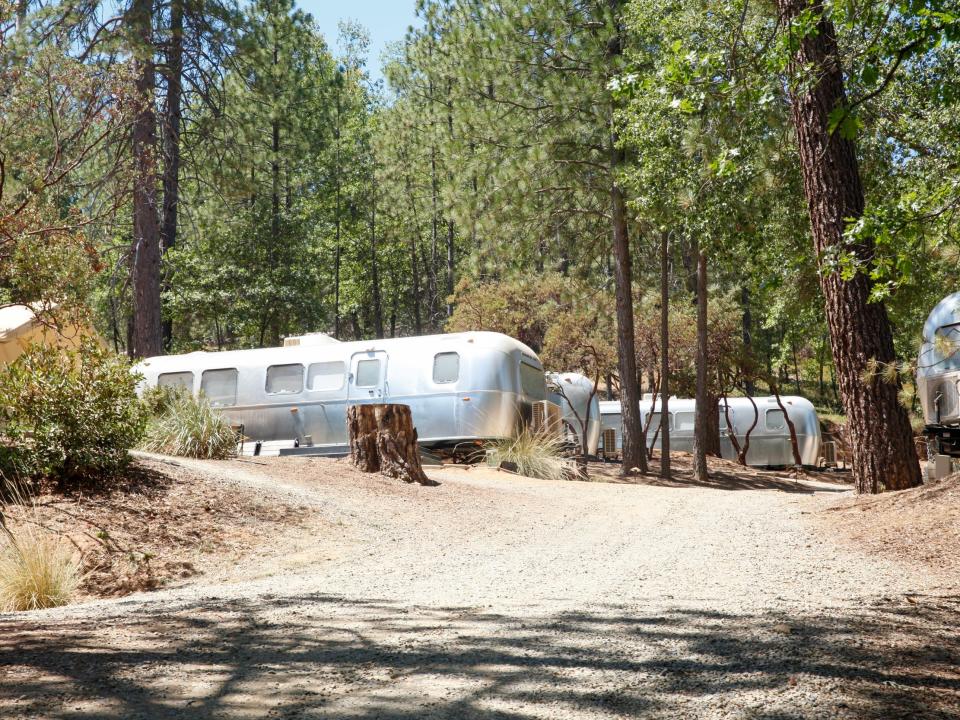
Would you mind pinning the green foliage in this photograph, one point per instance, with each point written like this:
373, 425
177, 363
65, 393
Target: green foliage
188, 426
68, 414
158, 400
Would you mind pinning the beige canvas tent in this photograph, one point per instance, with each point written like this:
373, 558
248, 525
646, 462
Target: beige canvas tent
19, 327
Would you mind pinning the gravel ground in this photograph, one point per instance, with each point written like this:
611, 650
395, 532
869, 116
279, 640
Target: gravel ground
498, 597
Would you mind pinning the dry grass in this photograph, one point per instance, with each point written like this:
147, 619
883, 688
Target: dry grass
535, 454
160, 524
37, 570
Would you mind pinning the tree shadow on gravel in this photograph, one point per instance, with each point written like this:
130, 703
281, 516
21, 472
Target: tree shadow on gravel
321, 656
724, 475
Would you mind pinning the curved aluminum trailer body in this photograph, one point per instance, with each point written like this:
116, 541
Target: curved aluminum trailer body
938, 384
576, 400
938, 365
769, 441
460, 387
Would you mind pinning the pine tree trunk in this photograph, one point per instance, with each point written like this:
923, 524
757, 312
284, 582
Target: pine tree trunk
634, 453
712, 420
145, 252
450, 228
337, 219
450, 266
665, 354
884, 456
374, 265
21, 15
171, 142
383, 439
749, 387
414, 272
701, 426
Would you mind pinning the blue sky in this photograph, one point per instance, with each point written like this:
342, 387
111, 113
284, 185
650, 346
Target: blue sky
385, 20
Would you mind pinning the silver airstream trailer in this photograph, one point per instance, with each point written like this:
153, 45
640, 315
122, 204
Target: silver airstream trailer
461, 387
938, 382
579, 404
770, 444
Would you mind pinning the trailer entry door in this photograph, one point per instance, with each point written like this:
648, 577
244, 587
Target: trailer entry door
368, 372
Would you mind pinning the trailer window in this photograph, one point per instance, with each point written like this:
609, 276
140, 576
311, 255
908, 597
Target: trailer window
684, 421
532, 381
284, 379
655, 423
368, 373
220, 386
326, 376
775, 420
611, 421
446, 367
182, 380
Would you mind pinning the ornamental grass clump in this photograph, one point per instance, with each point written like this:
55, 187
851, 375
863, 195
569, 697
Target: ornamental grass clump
37, 570
190, 427
534, 453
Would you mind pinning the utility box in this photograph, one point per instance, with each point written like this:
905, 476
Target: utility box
939, 467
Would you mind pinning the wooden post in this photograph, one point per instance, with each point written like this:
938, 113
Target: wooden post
383, 439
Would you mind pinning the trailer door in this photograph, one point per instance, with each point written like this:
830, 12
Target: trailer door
368, 372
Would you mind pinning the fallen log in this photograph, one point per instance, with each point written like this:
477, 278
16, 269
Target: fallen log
383, 439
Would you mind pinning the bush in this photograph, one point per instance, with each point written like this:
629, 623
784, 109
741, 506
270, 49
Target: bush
68, 414
37, 570
536, 454
158, 399
190, 427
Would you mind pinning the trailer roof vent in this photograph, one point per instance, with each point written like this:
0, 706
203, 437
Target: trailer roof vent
317, 338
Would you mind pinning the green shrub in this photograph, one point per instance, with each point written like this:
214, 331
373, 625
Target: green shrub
158, 399
536, 454
70, 415
190, 427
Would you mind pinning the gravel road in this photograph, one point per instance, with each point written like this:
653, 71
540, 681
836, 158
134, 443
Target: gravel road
498, 597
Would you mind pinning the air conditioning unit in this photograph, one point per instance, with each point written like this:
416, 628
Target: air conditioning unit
609, 443
547, 418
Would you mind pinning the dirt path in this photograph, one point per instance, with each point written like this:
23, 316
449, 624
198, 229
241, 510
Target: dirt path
494, 596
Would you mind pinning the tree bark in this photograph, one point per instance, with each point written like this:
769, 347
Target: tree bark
749, 387
450, 229
374, 266
21, 15
337, 212
173, 117
145, 252
740, 450
664, 354
701, 426
712, 420
414, 272
634, 452
884, 456
383, 439
794, 444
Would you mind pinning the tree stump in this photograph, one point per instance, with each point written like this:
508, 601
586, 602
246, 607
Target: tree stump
383, 439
